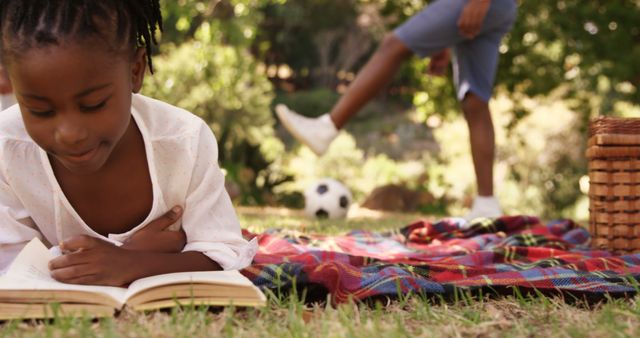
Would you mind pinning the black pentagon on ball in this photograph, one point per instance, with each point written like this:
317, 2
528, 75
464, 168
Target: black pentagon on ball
322, 188
321, 213
344, 201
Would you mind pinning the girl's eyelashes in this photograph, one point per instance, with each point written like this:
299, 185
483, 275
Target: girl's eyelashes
95, 107
42, 113
82, 107
92, 108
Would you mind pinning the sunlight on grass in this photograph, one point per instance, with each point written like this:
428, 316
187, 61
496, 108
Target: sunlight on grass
260, 219
289, 317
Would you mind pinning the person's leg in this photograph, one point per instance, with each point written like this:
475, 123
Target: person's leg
376, 74
473, 72
431, 30
317, 133
482, 138
475, 65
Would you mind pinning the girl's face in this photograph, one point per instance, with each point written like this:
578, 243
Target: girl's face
75, 100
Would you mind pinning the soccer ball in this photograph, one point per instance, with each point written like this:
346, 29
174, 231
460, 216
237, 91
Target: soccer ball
327, 198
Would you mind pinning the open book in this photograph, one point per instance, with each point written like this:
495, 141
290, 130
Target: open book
28, 291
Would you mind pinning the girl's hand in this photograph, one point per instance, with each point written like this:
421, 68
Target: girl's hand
155, 237
472, 17
89, 260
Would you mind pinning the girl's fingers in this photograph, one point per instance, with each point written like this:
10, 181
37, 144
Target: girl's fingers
86, 280
163, 222
81, 242
71, 273
68, 260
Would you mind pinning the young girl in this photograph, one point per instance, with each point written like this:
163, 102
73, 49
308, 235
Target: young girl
87, 163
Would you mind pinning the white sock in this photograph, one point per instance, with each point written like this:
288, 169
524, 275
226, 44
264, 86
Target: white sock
484, 206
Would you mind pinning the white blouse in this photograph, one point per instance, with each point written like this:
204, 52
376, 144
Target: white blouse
182, 154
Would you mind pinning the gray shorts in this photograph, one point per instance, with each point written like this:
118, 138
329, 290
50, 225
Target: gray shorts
474, 61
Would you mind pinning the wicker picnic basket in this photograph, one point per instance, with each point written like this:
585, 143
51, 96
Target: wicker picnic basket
613, 151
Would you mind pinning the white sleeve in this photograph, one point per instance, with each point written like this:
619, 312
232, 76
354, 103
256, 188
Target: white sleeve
209, 219
16, 226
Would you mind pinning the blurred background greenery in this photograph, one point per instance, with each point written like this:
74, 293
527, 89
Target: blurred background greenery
231, 61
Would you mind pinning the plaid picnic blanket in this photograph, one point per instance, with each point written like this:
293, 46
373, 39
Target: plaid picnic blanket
440, 257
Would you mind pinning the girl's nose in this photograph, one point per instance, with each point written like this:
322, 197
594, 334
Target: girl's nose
71, 133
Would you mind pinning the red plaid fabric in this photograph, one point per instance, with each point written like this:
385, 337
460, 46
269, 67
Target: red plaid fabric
436, 258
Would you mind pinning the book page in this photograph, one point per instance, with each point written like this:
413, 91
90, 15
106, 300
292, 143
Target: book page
32, 262
231, 277
30, 271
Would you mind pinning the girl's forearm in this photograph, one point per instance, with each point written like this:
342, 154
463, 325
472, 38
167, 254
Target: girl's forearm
145, 264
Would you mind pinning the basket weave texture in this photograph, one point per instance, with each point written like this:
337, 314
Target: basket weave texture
613, 152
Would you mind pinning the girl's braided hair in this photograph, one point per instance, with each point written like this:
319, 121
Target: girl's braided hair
38, 23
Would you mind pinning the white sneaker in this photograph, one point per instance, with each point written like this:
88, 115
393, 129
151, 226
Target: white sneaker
316, 133
484, 207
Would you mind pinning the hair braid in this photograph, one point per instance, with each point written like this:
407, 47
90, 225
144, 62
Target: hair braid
32, 23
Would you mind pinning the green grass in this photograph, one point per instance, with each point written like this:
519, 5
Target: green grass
257, 220
415, 316
504, 317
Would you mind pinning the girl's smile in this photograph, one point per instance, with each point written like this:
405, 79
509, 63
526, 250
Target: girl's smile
81, 158
80, 111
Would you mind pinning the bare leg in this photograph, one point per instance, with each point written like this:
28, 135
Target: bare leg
482, 138
376, 74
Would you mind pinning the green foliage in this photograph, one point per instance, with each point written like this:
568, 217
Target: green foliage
311, 102
348, 164
580, 54
289, 28
223, 85
231, 22
433, 95
582, 48
586, 49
